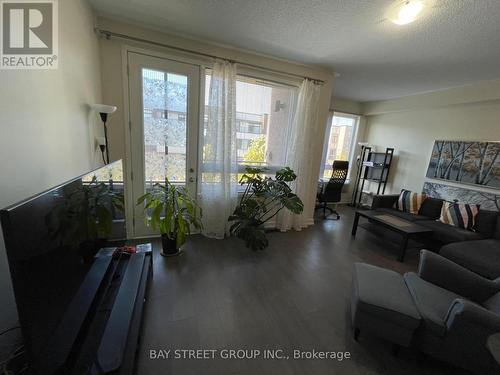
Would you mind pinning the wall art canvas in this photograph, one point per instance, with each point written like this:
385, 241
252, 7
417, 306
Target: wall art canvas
475, 163
488, 201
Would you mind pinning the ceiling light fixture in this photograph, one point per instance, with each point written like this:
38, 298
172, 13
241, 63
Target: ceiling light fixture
403, 12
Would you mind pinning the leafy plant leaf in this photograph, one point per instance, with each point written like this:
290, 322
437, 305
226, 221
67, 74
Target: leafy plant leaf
286, 174
293, 203
264, 197
180, 211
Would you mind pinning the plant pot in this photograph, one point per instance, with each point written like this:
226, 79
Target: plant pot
169, 246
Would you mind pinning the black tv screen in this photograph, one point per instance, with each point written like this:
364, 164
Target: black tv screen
51, 240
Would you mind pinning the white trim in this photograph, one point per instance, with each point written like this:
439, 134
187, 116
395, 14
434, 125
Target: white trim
200, 61
129, 211
352, 149
201, 126
326, 140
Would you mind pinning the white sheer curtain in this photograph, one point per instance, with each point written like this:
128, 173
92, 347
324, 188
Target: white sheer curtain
218, 188
303, 139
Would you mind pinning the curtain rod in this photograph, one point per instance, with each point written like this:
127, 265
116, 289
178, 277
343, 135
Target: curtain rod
108, 34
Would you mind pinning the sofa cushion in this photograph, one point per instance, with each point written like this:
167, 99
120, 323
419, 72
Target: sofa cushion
401, 214
481, 257
409, 201
445, 233
431, 207
486, 222
432, 302
461, 215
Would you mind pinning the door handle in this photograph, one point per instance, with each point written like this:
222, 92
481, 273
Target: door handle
191, 179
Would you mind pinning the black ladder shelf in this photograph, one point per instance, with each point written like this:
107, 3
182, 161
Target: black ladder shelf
373, 167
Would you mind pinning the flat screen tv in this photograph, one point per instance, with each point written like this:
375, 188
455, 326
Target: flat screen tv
51, 240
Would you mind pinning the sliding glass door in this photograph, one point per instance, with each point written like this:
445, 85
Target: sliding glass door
164, 117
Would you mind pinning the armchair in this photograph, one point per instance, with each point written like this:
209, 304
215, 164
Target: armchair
460, 310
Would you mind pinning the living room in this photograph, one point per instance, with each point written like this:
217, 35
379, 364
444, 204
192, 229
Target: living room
240, 187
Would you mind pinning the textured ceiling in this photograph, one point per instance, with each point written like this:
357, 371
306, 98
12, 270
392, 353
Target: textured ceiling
456, 43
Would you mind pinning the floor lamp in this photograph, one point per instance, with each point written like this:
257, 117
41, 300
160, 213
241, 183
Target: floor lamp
104, 110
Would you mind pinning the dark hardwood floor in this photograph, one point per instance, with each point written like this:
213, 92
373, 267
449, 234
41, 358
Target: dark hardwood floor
292, 296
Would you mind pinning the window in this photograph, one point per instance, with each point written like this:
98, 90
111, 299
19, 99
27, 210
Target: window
243, 144
164, 111
263, 113
339, 143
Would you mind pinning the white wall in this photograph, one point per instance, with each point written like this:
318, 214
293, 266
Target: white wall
411, 124
46, 130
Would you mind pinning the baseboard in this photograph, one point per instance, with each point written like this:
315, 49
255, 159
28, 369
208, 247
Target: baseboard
272, 224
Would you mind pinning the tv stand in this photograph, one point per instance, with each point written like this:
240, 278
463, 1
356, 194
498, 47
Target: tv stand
116, 351
100, 331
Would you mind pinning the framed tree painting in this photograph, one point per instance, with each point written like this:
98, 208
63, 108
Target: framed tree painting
468, 162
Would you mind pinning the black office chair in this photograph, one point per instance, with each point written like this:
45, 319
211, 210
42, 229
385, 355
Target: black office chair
331, 191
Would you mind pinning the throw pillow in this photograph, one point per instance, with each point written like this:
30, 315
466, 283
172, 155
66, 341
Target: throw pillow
461, 215
409, 201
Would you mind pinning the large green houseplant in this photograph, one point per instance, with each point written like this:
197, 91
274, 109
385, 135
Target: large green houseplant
264, 197
173, 211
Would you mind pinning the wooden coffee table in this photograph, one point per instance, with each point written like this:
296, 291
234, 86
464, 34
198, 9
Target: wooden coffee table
406, 229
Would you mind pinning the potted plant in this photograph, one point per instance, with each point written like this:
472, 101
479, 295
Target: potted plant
171, 209
263, 198
86, 214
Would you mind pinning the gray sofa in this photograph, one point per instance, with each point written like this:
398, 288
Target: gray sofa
480, 256
444, 310
478, 250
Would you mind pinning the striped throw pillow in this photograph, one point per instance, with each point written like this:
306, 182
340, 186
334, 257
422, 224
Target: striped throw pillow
460, 215
409, 201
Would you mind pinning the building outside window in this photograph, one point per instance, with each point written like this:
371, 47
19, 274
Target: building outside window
261, 125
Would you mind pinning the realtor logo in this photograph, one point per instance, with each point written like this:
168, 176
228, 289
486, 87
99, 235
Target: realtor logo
29, 34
